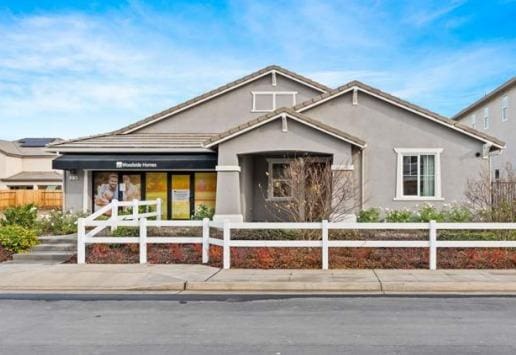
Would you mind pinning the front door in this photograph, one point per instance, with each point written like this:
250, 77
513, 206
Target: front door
181, 196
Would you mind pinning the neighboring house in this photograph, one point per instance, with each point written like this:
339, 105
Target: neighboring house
230, 148
495, 114
25, 164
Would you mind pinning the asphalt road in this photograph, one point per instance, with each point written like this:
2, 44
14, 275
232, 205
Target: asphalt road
263, 325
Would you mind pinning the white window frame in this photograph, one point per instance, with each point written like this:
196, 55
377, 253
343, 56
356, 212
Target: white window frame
474, 120
486, 117
273, 94
505, 108
270, 182
401, 152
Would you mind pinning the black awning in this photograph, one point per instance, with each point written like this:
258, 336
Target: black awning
135, 161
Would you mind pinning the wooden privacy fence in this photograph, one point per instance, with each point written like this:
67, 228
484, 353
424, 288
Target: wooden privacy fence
40, 198
503, 198
503, 192
325, 243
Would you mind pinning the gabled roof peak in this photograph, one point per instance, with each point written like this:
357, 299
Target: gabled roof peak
283, 112
423, 112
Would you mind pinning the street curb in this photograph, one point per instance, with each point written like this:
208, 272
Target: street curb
172, 286
289, 286
476, 286
292, 286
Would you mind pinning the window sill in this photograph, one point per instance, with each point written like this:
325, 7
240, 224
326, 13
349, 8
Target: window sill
418, 198
261, 111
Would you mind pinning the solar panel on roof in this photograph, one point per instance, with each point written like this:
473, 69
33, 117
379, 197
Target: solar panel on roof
35, 142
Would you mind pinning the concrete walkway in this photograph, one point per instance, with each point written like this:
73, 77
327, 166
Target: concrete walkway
200, 278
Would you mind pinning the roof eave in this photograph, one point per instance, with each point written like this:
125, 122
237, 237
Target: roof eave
354, 85
292, 115
505, 86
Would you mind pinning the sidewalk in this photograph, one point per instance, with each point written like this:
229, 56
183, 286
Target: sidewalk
200, 278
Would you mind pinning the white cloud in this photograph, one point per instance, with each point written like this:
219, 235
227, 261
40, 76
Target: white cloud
72, 74
75, 68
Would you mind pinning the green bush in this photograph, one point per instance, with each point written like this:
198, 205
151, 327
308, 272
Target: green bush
202, 212
126, 232
24, 216
457, 214
399, 216
16, 238
370, 215
59, 223
429, 213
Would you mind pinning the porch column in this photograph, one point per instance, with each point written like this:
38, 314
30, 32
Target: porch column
227, 205
344, 180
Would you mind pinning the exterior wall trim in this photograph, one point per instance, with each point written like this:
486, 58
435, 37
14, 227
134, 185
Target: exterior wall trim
222, 93
342, 167
273, 94
229, 217
280, 115
399, 174
405, 107
229, 168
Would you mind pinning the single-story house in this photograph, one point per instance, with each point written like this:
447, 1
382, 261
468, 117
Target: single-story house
230, 148
26, 164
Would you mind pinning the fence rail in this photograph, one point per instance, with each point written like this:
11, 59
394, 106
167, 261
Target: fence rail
140, 221
40, 198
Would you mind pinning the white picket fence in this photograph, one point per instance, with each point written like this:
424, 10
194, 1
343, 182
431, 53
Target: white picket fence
141, 221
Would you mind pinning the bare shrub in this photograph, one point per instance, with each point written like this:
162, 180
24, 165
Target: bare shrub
493, 201
310, 191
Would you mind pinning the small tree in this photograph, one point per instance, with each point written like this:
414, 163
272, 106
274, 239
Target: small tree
313, 191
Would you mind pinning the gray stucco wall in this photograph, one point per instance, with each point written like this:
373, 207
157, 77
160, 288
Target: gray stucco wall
74, 191
249, 151
247, 184
385, 127
270, 138
228, 110
504, 130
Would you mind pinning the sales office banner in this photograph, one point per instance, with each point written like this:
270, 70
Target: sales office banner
136, 165
135, 162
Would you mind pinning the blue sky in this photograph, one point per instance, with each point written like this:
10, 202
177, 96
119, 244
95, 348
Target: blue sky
74, 68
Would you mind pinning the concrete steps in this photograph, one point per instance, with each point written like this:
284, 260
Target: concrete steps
51, 250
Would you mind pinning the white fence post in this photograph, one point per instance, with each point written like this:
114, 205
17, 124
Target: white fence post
226, 248
158, 209
81, 245
325, 260
143, 241
433, 245
205, 240
135, 209
114, 215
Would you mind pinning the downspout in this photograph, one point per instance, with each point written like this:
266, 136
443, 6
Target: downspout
362, 178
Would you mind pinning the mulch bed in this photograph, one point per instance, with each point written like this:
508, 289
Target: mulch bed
307, 258
5, 255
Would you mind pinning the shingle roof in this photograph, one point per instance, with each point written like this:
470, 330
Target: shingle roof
35, 176
138, 142
505, 86
403, 103
276, 115
196, 100
221, 90
14, 149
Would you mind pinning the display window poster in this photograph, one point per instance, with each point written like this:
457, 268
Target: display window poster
180, 196
130, 187
205, 189
105, 185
